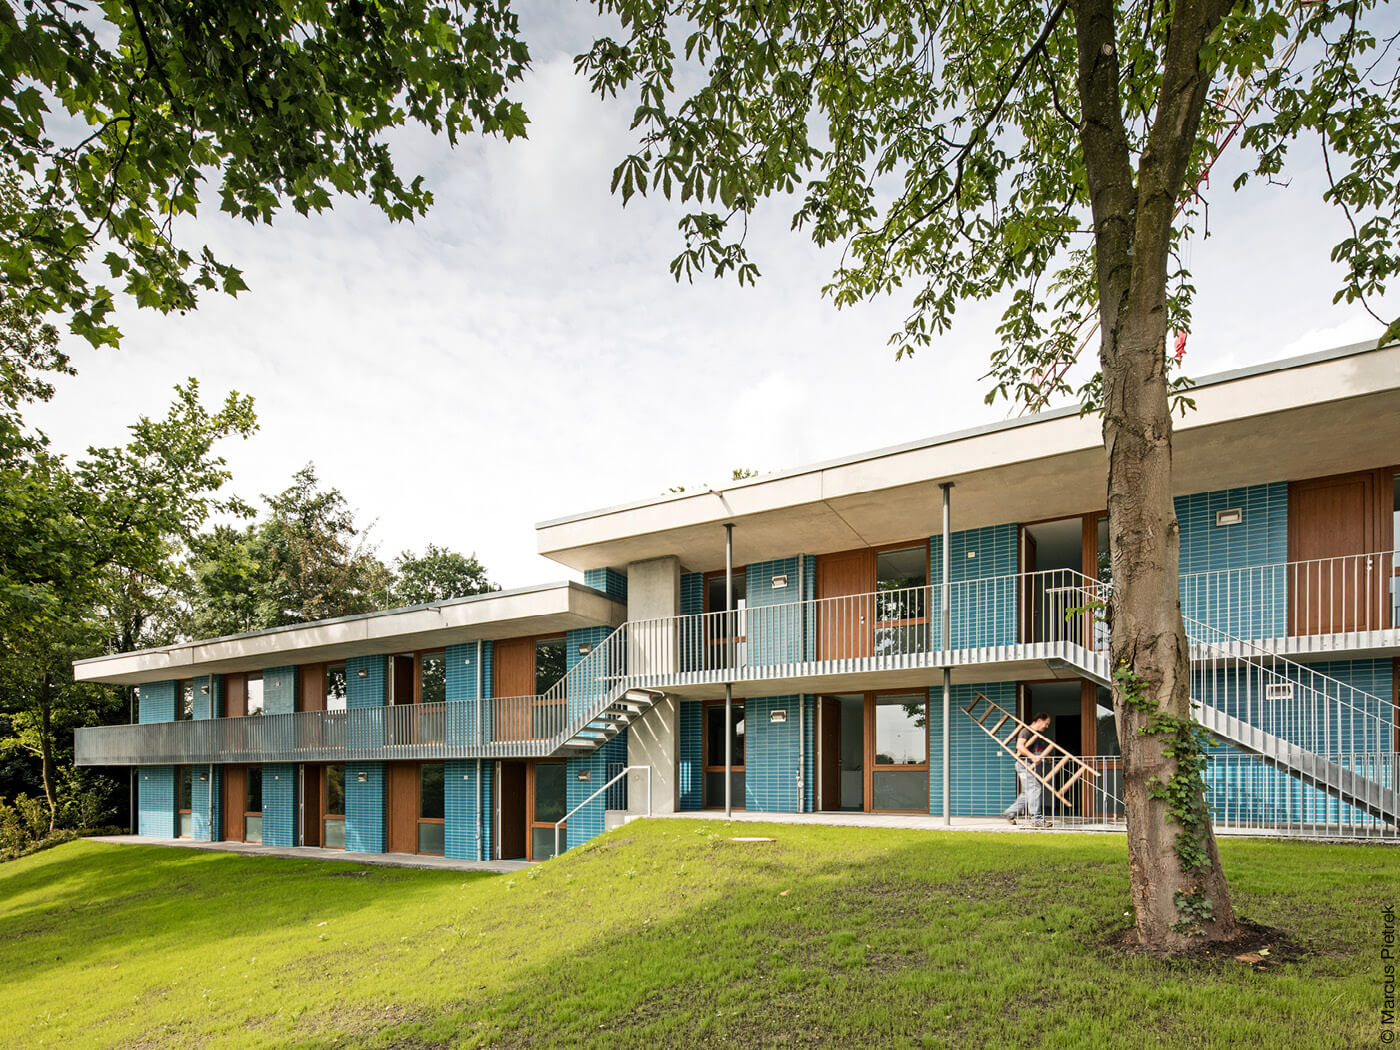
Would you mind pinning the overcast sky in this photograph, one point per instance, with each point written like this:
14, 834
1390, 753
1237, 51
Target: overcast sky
523, 353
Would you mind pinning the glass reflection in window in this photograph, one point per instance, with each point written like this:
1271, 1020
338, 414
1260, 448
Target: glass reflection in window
901, 730
335, 687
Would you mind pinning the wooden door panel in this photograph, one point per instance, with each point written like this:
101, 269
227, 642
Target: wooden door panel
846, 624
831, 753
311, 691
311, 804
235, 787
235, 695
401, 834
514, 677
1331, 518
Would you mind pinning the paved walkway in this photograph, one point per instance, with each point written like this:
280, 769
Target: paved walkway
382, 860
911, 821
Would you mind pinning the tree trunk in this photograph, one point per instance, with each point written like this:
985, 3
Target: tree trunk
1149, 639
1179, 893
46, 748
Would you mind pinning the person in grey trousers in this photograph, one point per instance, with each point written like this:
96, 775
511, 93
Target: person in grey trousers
1029, 748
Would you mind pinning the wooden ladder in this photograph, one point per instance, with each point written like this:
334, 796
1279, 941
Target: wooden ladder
1008, 744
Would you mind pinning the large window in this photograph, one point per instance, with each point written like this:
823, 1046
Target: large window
252, 805
333, 826
899, 771
184, 701
335, 687
714, 755
432, 678
726, 637
546, 719
548, 802
901, 601
430, 807
255, 693
184, 809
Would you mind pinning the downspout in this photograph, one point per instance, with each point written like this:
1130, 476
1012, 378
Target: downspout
802, 700
730, 626
947, 608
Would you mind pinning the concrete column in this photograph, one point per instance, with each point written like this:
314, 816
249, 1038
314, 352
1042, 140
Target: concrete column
654, 591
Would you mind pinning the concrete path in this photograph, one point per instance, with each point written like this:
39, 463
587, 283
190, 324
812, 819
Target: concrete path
910, 821
382, 860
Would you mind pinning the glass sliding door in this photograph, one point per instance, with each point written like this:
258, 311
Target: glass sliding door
252, 805
333, 821
430, 808
714, 755
899, 753
549, 801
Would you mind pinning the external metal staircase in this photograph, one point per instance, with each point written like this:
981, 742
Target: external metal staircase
1296, 720
612, 719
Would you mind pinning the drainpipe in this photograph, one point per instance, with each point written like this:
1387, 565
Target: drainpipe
947, 610
729, 628
480, 844
211, 801
801, 751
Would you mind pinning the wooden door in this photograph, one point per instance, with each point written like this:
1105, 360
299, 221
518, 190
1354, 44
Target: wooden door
831, 752
515, 678
235, 695
401, 832
311, 691
514, 818
846, 616
1330, 522
311, 815
235, 789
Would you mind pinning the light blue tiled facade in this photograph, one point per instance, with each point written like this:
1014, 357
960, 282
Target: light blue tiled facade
778, 756
983, 614
690, 771
279, 690
609, 581
468, 812
155, 800
1251, 604
364, 807
585, 687
587, 823
155, 702
466, 671
207, 811
982, 777
279, 804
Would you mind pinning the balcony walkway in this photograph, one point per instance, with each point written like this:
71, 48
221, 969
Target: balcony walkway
378, 860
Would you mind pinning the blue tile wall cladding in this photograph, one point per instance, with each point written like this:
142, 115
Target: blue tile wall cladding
209, 696
690, 773
585, 687
208, 802
466, 665
279, 802
587, 823
609, 581
778, 758
692, 604
468, 812
780, 635
279, 690
155, 702
982, 776
364, 807
1251, 604
982, 614
155, 800
364, 700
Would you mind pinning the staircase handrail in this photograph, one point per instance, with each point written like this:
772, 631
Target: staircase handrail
564, 819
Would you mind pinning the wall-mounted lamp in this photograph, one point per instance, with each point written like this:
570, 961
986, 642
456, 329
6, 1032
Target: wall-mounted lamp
585, 775
779, 582
362, 777
467, 661
363, 672
1233, 516
204, 689
780, 715
972, 554
585, 649
203, 777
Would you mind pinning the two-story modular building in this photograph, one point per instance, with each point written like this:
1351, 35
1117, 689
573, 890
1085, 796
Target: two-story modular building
840, 637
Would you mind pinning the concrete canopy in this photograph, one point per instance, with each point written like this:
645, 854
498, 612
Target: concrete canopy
545, 609
1299, 418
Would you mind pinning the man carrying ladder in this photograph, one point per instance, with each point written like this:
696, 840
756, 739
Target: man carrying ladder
1030, 745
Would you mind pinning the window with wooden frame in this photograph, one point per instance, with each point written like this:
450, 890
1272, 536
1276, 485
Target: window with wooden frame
726, 627
431, 807
336, 689
253, 694
902, 601
184, 802
897, 732
252, 804
713, 757
547, 802
333, 820
430, 687
548, 715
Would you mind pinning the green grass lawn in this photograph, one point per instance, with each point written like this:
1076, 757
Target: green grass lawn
664, 934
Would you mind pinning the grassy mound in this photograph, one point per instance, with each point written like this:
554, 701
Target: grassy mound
666, 934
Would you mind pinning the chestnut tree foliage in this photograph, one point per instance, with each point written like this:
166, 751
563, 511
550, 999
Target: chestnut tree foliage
1044, 154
